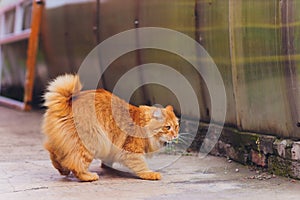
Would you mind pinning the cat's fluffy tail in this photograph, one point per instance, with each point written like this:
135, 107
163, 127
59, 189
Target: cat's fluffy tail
61, 90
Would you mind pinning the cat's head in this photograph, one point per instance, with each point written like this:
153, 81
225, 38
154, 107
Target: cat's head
163, 125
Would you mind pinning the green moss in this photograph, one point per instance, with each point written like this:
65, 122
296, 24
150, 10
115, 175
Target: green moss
241, 139
279, 166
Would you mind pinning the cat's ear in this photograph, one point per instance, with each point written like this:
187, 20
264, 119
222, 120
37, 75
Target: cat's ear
169, 108
157, 114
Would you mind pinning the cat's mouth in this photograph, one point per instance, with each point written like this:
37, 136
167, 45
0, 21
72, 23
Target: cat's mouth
167, 143
170, 141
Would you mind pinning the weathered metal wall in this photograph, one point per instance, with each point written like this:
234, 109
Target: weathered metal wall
254, 43
68, 34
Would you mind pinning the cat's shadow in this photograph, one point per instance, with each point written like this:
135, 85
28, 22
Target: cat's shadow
110, 172
104, 172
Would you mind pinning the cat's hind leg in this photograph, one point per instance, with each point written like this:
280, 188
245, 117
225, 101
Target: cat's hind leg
56, 162
79, 162
62, 170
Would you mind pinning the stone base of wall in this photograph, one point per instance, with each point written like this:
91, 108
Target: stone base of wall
278, 156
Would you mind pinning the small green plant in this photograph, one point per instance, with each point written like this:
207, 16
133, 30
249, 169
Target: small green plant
180, 144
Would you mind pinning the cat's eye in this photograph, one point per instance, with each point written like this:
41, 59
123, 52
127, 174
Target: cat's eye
168, 127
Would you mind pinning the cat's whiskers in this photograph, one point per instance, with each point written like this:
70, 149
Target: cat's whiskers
182, 141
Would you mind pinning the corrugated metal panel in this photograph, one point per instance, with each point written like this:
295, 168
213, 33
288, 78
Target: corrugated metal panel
264, 104
213, 34
68, 34
254, 43
254, 40
176, 15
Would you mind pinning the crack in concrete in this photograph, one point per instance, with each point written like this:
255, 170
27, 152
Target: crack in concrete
31, 189
10, 184
8, 180
201, 181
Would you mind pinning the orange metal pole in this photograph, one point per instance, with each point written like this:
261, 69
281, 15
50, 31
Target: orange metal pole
37, 11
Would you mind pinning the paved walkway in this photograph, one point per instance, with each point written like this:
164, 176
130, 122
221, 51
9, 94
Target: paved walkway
26, 173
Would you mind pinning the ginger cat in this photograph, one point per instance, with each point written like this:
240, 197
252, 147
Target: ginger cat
83, 125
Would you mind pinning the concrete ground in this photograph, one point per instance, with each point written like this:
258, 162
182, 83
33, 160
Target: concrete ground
26, 173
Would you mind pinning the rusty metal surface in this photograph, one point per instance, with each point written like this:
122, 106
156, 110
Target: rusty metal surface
32, 51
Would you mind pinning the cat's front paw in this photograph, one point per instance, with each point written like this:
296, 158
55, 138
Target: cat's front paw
149, 175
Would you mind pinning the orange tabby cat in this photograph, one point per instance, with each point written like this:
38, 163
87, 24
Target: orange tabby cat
83, 125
